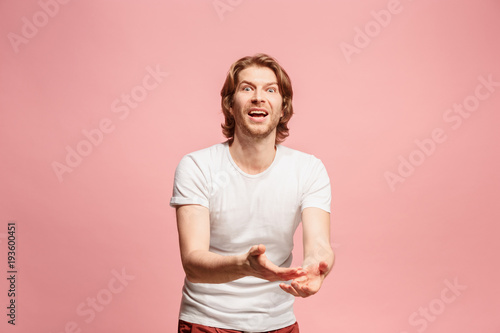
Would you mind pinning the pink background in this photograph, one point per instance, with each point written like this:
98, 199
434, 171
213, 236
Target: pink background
398, 247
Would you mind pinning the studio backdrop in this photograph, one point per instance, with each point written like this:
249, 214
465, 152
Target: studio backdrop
99, 100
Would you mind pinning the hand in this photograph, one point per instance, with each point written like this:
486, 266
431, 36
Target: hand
260, 266
308, 284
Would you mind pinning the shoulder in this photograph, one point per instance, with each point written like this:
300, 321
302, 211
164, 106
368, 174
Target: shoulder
203, 159
305, 166
298, 156
213, 150
199, 165
206, 155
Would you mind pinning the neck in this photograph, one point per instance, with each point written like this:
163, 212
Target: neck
252, 155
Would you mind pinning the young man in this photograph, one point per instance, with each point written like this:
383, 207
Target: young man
238, 204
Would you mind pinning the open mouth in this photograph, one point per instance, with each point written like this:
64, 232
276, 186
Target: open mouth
258, 113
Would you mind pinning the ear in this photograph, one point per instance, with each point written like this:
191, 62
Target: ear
284, 105
231, 112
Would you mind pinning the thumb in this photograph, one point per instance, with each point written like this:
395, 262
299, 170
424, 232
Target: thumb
257, 250
323, 267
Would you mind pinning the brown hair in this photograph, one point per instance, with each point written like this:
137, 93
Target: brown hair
229, 88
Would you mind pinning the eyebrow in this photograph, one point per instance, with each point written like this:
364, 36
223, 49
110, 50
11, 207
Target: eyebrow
250, 83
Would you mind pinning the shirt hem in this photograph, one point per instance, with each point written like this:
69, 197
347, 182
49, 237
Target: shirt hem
210, 323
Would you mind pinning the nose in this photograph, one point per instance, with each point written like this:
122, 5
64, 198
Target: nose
257, 96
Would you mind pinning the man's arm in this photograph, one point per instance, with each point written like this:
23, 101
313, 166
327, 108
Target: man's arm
203, 266
318, 253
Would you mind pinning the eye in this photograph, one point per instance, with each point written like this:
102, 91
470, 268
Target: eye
247, 88
272, 90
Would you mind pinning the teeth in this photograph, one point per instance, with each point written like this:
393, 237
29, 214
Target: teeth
258, 112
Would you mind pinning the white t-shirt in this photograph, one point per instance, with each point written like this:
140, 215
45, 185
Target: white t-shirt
247, 210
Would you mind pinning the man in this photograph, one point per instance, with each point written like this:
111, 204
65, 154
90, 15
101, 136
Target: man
238, 204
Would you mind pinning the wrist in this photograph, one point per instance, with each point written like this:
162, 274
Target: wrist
242, 265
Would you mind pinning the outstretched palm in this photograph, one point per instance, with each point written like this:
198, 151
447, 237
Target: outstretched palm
262, 267
308, 284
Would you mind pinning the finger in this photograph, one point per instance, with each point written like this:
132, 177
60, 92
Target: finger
284, 270
301, 280
302, 289
297, 270
286, 274
299, 290
289, 289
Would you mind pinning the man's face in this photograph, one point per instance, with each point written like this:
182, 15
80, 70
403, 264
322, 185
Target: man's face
257, 103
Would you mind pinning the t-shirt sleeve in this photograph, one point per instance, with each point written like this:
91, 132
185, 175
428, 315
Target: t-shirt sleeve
190, 184
317, 190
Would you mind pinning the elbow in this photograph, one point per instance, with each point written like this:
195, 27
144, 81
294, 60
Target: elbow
191, 275
193, 279
193, 267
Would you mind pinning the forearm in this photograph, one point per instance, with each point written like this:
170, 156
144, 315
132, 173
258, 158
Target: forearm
316, 236
203, 266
